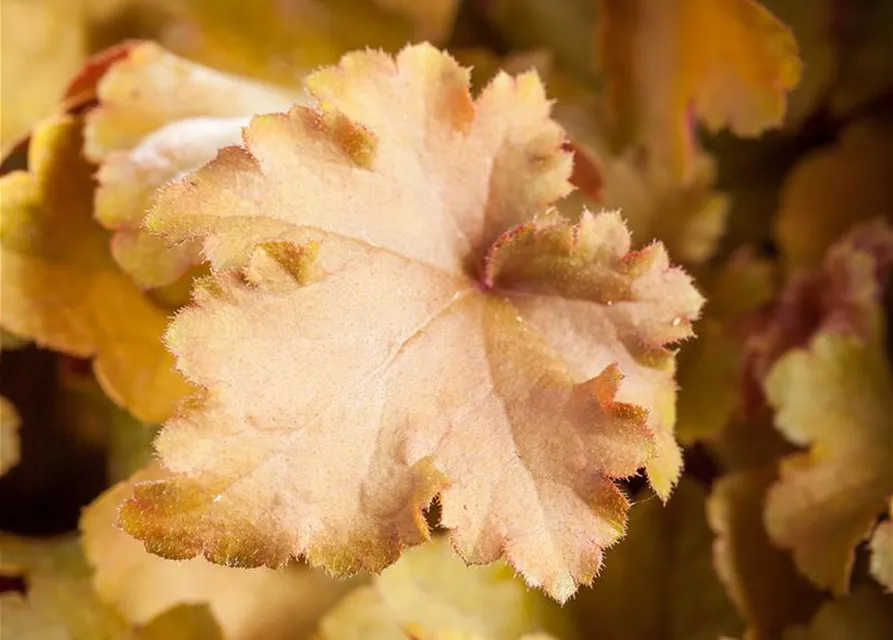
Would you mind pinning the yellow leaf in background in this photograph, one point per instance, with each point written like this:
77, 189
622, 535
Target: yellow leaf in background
61, 287
659, 582
9, 435
184, 622
669, 65
43, 44
882, 552
249, 604
159, 117
832, 189
281, 40
815, 30
864, 615
836, 399
759, 577
430, 594
59, 603
844, 295
364, 347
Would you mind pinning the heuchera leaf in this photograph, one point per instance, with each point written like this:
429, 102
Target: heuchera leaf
9, 435
832, 189
248, 604
668, 65
882, 552
836, 398
158, 117
758, 576
659, 581
42, 47
388, 323
865, 614
430, 594
843, 295
59, 602
61, 287
60, 605
281, 40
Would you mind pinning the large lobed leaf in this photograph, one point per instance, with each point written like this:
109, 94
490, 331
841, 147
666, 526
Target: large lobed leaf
390, 321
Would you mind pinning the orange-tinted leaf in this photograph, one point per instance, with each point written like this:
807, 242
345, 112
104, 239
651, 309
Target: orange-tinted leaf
248, 603
726, 63
61, 287
363, 332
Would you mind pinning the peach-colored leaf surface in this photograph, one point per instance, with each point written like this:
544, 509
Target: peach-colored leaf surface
726, 63
396, 315
157, 117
